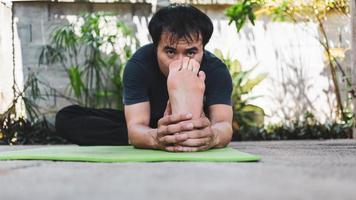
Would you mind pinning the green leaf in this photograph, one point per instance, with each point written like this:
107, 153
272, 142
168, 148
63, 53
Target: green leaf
252, 17
76, 81
252, 115
112, 59
32, 109
104, 93
251, 83
64, 37
90, 71
218, 53
241, 11
235, 66
50, 55
240, 77
124, 29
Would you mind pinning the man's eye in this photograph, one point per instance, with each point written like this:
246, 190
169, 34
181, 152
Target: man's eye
191, 54
170, 53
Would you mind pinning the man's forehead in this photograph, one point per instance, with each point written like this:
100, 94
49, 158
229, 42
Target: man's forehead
169, 40
184, 44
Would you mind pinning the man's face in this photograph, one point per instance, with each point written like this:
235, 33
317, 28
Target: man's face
168, 52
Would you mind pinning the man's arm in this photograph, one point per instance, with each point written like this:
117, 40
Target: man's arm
221, 124
137, 119
141, 135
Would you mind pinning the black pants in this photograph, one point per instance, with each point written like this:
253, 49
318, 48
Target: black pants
90, 126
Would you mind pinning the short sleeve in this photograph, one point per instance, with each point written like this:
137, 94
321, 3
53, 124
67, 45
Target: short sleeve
134, 81
218, 85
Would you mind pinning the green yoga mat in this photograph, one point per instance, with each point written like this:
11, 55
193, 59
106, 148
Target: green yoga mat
125, 154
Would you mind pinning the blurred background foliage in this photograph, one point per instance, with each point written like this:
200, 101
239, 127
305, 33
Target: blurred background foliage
300, 11
93, 59
92, 55
245, 114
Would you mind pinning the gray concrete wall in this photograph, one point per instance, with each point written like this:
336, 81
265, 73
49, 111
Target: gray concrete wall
35, 22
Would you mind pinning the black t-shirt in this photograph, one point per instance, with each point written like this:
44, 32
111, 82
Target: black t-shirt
144, 81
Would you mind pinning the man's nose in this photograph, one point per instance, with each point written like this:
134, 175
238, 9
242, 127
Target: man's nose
181, 56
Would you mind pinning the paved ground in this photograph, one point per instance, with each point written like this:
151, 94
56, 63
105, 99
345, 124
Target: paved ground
289, 170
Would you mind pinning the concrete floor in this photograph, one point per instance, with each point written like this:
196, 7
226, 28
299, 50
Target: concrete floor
288, 170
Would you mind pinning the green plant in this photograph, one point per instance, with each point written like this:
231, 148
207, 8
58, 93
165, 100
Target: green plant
299, 11
93, 80
306, 128
309, 128
245, 114
242, 11
93, 56
17, 127
29, 127
20, 130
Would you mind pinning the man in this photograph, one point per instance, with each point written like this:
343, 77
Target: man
177, 96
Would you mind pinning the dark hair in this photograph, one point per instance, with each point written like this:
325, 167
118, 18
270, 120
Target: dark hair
181, 21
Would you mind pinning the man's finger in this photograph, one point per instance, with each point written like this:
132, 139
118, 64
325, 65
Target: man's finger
196, 134
171, 119
174, 128
162, 131
201, 122
172, 139
188, 149
195, 142
170, 148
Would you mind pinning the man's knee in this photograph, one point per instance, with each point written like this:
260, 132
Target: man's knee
64, 115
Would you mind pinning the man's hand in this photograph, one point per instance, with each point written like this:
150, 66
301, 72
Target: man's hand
168, 130
200, 138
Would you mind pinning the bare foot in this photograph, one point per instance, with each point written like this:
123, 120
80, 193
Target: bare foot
186, 87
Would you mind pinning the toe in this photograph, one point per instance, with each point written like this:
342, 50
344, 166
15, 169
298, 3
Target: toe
195, 66
185, 63
201, 75
175, 66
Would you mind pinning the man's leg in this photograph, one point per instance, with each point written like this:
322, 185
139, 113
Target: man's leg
89, 126
186, 89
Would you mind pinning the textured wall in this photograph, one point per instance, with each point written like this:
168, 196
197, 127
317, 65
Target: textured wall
298, 79
289, 53
35, 21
